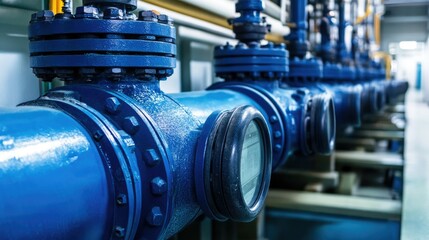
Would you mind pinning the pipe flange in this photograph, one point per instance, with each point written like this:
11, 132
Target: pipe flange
251, 61
305, 70
97, 44
332, 72
152, 157
348, 73
117, 149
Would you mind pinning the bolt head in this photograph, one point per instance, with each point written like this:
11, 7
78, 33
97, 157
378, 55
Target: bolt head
112, 105
165, 19
121, 199
253, 45
119, 231
158, 185
277, 134
151, 157
98, 135
44, 15
113, 13
116, 70
87, 12
240, 46
155, 217
148, 16
274, 119
130, 125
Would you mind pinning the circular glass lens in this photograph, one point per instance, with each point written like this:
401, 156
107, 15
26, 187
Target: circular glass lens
251, 163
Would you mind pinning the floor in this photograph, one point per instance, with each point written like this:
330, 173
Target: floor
415, 221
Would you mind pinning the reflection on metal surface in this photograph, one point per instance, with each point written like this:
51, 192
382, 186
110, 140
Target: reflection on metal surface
42, 149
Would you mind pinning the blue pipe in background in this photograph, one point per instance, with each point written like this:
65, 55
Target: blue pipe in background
342, 53
307, 72
255, 70
298, 44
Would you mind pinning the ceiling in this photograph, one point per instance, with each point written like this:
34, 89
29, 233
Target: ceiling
405, 22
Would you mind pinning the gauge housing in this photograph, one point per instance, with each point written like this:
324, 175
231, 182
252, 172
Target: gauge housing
233, 167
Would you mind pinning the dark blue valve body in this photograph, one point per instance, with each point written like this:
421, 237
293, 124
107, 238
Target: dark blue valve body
110, 156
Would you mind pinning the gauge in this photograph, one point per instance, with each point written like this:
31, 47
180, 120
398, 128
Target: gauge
233, 166
251, 163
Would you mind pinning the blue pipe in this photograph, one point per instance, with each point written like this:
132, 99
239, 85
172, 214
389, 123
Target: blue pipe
342, 53
119, 159
111, 145
254, 69
52, 177
298, 45
308, 73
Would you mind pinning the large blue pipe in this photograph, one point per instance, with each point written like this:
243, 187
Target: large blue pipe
110, 156
52, 179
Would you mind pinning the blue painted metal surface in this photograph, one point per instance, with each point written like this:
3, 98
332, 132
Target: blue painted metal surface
144, 140
342, 53
93, 45
110, 154
307, 225
353, 89
256, 71
298, 45
252, 61
249, 26
53, 174
308, 72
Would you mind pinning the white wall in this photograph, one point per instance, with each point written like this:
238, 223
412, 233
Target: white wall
17, 82
406, 66
425, 73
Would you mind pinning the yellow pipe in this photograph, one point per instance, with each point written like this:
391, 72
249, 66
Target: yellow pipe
53, 6
377, 29
56, 6
368, 12
387, 60
195, 12
191, 11
60, 5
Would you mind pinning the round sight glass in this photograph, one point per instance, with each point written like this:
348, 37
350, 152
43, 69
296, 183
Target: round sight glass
251, 164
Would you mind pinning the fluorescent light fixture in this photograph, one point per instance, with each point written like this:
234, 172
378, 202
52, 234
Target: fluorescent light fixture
18, 35
408, 45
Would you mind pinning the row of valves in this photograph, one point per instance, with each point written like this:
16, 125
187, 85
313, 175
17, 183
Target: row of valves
111, 156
